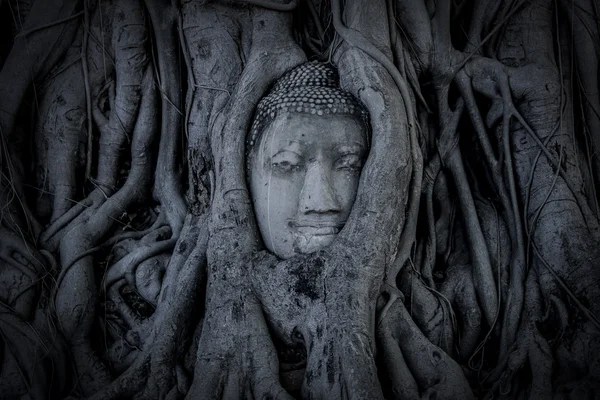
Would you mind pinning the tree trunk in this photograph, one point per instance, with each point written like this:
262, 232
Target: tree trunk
466, 266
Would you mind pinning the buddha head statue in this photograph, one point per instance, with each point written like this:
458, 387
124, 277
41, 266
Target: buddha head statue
306, 148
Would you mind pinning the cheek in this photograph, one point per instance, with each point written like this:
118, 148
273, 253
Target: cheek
275, 198
346, 186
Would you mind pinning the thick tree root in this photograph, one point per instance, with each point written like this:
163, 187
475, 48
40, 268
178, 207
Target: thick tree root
433, 371
167, 188
219, 296
76, 296
27, 350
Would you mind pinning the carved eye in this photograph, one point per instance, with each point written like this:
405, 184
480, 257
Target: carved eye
351, 162
284, 166
286, 161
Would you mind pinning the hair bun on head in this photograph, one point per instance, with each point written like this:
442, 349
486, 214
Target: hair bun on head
312, 73
310, 88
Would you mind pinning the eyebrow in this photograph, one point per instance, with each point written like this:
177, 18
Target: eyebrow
281, 151
351, 149
283, 145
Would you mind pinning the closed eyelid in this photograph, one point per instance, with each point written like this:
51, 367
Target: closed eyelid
351, 150
350, 160
352, 157
282, 153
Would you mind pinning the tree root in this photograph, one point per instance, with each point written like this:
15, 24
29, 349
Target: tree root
23, 269
186, 275
433, 371
62, 115
34, 53
429, 310
27, 351
167, 188
127, 266
51, 237
356, 39
75, 298
129, 382
131, 339
460, 291
431, 173
130, 62
151, 375
403, 385
221, 368
530, 348
233, 54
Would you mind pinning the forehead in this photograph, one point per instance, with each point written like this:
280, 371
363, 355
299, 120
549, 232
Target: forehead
326, 130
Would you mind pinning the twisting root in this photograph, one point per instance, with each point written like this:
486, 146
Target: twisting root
26, 351
431, 174
150, 375
78, 291
482, 269
274, 5
167, 185
110, 242
126, 267
496, 72
62, 222
185, 275
356, 39
435, 373
588, 314
88, 94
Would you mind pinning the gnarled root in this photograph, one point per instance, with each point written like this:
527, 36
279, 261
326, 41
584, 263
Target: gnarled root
460, 291
185, 276
223, 369
27, 353
434, 373
22, 270
76, 288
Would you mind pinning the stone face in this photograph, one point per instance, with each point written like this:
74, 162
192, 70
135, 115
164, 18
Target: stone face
303, 179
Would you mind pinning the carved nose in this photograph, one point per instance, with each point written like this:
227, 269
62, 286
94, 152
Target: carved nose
317, 195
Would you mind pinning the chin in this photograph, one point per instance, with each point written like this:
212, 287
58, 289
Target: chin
306, 244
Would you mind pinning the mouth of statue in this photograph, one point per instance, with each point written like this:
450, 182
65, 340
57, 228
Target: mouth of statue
317, 228
311, 235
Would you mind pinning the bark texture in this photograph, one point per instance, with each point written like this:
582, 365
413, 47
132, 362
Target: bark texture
131, 265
